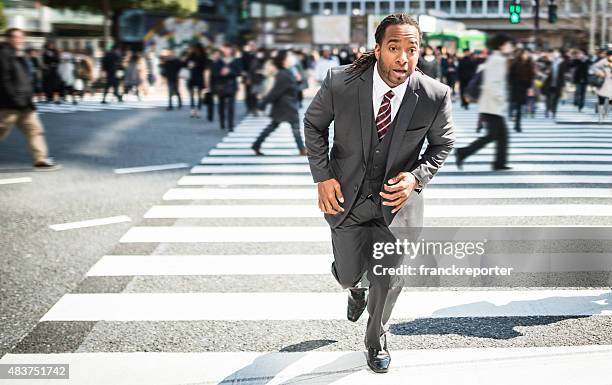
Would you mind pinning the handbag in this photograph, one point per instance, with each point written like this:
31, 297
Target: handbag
595, 80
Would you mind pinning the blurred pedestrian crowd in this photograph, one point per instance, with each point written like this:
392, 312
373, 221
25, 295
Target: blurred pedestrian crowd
214, 77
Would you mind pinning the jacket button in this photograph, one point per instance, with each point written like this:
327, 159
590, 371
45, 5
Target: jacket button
363, 166
377, 151
356, 187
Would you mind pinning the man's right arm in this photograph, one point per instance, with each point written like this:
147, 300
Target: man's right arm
317, 119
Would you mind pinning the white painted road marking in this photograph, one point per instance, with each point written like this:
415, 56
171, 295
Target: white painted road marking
260, 264
90, 223
329, 306
204, 193
16, 180
568, 365
160, 167
431, 211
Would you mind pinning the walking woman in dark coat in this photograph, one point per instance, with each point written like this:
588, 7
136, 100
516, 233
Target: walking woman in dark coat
283, 97
520, 78
196, 61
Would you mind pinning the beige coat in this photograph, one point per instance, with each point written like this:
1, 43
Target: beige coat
494, 95
601, 68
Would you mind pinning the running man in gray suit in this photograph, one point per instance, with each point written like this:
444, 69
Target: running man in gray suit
383, 108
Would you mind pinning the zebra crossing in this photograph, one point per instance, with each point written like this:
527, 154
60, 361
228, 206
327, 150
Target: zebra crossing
93, 104
227, 280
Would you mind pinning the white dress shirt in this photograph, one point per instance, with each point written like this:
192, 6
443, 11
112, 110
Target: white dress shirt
380, 88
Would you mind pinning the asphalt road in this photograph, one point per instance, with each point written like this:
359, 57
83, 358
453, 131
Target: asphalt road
37, 264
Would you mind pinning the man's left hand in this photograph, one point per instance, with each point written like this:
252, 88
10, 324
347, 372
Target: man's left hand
398, 190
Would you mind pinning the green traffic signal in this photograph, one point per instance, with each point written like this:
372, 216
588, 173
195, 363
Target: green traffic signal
515, 13
552, 13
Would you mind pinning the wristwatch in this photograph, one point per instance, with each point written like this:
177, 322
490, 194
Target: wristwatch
419, 185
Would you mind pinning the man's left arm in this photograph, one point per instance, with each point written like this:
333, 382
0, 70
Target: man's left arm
440, 142
441, 139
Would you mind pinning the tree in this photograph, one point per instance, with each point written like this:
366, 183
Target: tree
2, 17
112, 9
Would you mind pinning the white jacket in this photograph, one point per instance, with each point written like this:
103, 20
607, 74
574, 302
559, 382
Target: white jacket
494, 93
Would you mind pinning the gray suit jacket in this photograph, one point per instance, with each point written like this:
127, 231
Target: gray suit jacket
346, 100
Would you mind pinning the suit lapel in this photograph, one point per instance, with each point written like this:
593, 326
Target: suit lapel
403, 117
365, 111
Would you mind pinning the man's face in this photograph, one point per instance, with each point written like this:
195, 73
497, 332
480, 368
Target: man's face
398, 54
17, 40
507, 48
226, 51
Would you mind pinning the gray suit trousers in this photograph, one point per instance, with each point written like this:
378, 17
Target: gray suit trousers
352, 243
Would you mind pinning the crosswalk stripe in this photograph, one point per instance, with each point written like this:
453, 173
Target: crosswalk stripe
260, 264
275, 180
468, 166
94, 105
559, 147
306, 180
286, 132
265, 145
273, 234
220, 234
239, 160
187, 193
283, 264
431, 211
461, 135
329, 306
465, 366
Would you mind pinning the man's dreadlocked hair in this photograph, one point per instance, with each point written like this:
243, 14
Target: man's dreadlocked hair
368, 58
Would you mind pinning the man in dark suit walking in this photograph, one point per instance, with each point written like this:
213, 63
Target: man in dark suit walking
224, 73
383, 108
283, 97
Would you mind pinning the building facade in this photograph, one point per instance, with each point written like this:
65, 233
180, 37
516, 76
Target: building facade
70, 30
571, 28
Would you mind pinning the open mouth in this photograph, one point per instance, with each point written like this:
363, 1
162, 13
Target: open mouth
400, 72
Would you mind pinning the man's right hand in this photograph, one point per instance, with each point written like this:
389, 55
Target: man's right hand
330, 197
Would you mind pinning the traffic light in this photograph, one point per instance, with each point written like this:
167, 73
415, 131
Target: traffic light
515, 12
552, 12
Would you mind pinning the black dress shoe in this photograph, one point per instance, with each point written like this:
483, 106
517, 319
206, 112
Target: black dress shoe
378, 360
357, 301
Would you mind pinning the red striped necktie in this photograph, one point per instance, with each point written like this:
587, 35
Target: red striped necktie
383, 119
